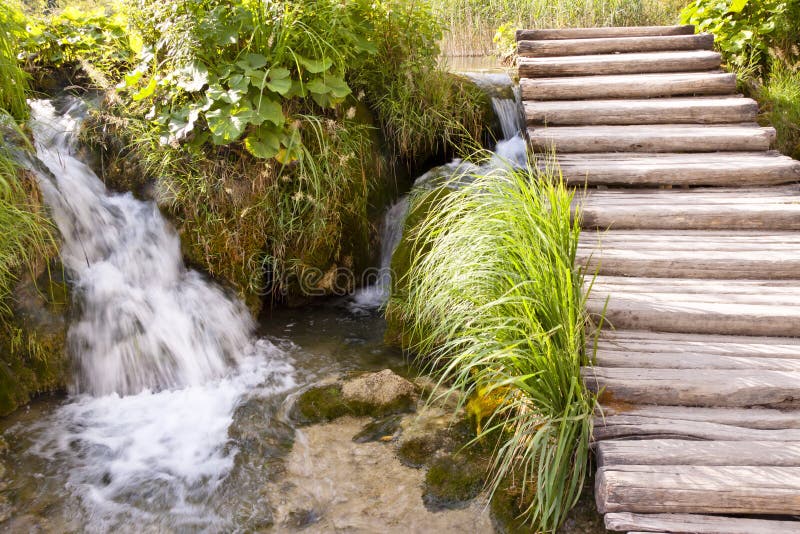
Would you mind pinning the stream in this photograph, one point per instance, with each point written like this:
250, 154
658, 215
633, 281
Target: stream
177, 416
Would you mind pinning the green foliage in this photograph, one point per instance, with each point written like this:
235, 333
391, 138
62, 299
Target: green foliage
780, 98
472, 24
72, 36
748, 32
13, 80
492, 302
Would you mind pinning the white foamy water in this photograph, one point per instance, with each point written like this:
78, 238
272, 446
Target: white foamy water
163, 356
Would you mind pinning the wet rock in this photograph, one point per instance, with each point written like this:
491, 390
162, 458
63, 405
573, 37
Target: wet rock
321, 404
453, 480
385, 391
384, 429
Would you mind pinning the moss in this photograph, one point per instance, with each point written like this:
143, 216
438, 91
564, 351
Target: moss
452, 480
507, 507
419, 450
326, 403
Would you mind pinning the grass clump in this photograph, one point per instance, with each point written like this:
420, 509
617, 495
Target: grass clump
780, 102
13, 79
493, 305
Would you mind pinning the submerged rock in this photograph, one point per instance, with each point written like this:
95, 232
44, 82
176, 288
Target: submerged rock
453, 480
385, 391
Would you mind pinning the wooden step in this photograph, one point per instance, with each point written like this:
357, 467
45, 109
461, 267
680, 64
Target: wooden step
768, 208
629, 86
698, 524
646, 341
691, 254
688, 387
743, 418
594, 33
652, 138
737, 307
691, 452
634, 63
697, 110
614, 45
698, 489
639, 427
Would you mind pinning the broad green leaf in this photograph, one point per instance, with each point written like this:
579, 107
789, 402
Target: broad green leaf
264, 142
133, 78
146, 91
314, 66
252, 62
239, 83
318, 87
338, 87
227, 123
193, 77
268, 110
279, 80
737, 6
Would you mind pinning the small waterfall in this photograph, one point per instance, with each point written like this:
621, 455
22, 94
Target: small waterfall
374, 296
164, 356
507, 112
145, 321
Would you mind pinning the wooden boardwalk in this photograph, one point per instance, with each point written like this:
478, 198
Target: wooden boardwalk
693, 226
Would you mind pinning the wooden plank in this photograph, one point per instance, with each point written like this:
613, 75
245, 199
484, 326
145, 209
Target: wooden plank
613, 45
715, 169
755, 418
689, 452
593, 33
687, 387
697, 110
765, 347
646, 360
635, 63
774, 208
651, 138
737, 307
638, 427
687, 254
698, 524
699, 489
629, 86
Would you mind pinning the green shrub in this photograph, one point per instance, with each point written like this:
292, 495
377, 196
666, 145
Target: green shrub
493, 306
749, 32
780, 101
13, 80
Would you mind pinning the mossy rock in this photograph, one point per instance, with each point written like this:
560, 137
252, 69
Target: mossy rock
506, 508
453, 480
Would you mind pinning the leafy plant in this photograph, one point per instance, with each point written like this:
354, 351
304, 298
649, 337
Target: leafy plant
13, 80
780, 100
748, 32
493, 305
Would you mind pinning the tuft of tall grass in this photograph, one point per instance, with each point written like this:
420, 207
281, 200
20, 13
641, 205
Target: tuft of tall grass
27, 234
779, 96
496, 310
13, 80
471, 24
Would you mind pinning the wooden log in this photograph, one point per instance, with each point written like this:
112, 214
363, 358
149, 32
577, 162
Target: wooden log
773, 208
698, 524
629, 86
687, 387
614, 45
687, 452
699, 489
594, 33
686, 254
765, 347
706, 362
635, 63
697, 110
651, 138
637, 427
755, 418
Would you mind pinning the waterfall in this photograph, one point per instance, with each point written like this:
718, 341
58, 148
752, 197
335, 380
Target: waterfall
144, 321
163, 356
507, 112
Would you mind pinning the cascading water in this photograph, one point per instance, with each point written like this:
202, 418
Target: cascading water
509, 152
163, 356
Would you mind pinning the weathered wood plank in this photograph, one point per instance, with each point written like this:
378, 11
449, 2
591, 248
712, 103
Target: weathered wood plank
706, 362
651, 138
718, 169
611, 31
635, 63
687, 387
746, 307
613, 45
774, 208
755, 418
697, 110
765, 347
685, 452
628, 86
639, 427
686, 254
699, 489
697, 524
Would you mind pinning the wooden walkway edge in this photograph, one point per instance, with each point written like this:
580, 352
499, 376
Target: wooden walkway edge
692, 225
